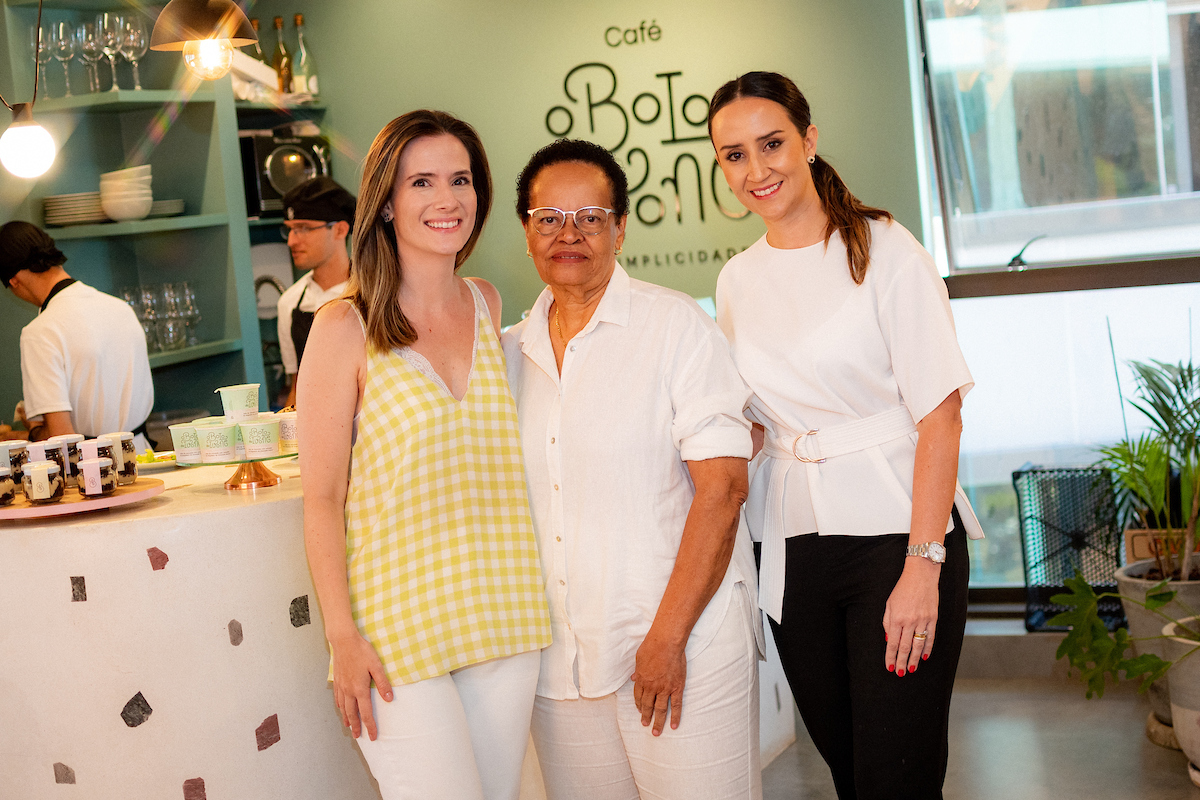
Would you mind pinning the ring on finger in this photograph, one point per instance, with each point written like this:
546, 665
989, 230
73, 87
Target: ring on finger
920, 637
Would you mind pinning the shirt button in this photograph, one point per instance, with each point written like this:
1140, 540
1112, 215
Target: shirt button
556, 487
562, 583
572, 348
558, 538
551, 440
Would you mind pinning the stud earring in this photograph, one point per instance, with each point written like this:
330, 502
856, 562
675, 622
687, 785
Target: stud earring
617, 252
528, 253
387, 215
812, 159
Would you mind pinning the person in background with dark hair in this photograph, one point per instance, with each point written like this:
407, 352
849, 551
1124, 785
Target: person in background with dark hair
839, 322
318, 216
635, 450
84, 366
416, 514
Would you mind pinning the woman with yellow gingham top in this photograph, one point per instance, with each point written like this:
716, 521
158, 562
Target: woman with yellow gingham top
424, 561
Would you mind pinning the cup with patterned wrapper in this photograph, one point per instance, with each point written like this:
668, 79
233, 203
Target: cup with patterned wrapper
289, 440
186, 442
261, 437
240, 402
217, 442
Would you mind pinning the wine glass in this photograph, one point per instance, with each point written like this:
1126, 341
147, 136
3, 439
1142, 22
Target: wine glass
191, 313
62, 46
134, 45
111, 28
39, 43
90, 52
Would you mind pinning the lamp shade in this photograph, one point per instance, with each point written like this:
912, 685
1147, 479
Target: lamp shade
184, 21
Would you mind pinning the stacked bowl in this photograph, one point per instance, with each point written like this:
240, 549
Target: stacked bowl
126, 194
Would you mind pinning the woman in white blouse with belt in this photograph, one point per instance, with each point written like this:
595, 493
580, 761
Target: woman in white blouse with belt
839, 323
630, 411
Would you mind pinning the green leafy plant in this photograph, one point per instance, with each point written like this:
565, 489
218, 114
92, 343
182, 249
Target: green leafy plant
1143, 467
1097, 654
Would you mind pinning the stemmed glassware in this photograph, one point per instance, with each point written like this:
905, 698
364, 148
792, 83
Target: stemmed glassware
39, 43
134, 45
62, 46
90, 52
111, 29
190, 312
168, 312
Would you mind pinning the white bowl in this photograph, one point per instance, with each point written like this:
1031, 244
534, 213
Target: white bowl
127, 197
120, 209
140, 183
133, 172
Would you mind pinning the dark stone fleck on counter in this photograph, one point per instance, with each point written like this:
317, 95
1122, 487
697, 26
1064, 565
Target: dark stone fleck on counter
136, 711
78, 590
299, 611
235, 632
158, 559
193, 789
63, 773
267, 734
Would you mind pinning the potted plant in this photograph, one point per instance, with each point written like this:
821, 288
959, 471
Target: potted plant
1157, 481
1180, 640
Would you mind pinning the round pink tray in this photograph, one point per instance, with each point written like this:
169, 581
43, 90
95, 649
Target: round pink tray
75, 503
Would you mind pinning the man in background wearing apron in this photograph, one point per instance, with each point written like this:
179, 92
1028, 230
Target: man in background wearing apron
318, 216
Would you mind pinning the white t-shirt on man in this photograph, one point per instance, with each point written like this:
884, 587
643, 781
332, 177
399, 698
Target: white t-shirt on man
313, 299
86, 354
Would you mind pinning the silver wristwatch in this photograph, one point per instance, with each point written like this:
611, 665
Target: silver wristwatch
934, 551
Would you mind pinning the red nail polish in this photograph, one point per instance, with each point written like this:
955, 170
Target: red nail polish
885, 637
891, 667
900, 673
925, 657
914, 668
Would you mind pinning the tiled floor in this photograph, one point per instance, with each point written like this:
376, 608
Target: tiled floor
1025, 739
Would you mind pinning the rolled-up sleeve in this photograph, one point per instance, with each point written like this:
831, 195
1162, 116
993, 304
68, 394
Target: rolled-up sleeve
708, 395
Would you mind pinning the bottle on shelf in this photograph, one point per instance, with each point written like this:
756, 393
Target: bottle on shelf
304, 75
258, 53
281, 59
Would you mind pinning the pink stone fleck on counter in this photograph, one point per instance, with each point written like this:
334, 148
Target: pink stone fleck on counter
193, 789
158, 559
267, 733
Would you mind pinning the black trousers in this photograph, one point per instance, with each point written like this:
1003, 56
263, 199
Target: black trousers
883, 736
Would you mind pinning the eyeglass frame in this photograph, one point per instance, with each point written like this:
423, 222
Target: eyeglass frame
285, 231
609, 213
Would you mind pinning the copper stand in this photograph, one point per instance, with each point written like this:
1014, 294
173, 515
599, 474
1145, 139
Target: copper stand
253, 475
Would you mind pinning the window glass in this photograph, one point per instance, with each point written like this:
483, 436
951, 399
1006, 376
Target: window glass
1070, 126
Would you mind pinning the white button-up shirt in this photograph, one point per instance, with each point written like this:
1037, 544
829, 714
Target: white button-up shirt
647, 385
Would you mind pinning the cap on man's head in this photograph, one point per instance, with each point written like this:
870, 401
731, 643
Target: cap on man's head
26, 246
319, 199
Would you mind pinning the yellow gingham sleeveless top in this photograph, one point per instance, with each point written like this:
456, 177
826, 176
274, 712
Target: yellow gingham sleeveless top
441, 554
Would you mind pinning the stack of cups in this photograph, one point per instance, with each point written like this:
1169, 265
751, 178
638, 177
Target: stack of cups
241, 434
126, 193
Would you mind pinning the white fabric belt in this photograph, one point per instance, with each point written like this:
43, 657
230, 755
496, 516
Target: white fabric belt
810, 448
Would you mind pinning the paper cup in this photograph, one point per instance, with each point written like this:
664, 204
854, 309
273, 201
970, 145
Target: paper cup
14, 453
8, 489
239, 445
97, 477
289, 441
43, 482
186, 443
217, 442
240, 402
261, 437
124, 456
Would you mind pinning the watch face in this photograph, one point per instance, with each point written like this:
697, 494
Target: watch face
937, 553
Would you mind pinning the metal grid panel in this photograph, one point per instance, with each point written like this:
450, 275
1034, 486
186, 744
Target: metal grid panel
1068, 525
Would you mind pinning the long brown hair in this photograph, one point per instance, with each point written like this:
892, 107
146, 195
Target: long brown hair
845, 212
375, 280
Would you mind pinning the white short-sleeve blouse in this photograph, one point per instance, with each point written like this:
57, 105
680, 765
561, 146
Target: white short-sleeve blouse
819, 351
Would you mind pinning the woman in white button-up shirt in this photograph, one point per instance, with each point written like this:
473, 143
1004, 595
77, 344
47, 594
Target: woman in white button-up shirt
631, 416
839, 323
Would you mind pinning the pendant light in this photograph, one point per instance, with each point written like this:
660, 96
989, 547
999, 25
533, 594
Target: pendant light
206, 31
26, 149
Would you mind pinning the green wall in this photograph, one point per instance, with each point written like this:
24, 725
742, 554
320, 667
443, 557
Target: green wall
501, 66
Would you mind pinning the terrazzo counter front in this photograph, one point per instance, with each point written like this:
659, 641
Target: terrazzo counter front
169, 649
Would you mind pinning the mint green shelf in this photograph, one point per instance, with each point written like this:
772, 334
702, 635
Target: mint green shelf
121, 100
105, 230
192, 353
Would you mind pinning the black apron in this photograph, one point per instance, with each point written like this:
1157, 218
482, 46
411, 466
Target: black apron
302, 322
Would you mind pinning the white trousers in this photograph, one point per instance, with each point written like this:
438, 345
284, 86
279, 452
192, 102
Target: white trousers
460, 736
597, 749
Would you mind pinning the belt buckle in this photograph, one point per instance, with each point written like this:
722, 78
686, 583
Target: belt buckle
805, 459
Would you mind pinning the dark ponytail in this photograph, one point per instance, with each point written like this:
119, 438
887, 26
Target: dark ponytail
845, 212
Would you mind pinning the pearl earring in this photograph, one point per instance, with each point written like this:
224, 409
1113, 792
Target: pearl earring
812, 159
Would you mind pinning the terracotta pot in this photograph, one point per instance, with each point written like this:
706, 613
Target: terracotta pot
1185, 691
1145, 624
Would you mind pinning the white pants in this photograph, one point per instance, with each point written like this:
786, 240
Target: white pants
597, 749
460, 736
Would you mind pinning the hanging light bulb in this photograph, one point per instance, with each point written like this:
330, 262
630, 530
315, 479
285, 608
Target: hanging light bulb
208, 59
26, 149
206, 31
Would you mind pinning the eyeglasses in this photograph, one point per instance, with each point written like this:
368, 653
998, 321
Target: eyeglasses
303, 230
590, 220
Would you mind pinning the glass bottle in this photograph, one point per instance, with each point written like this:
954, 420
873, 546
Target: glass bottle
258, 53
304, 78
281, 59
